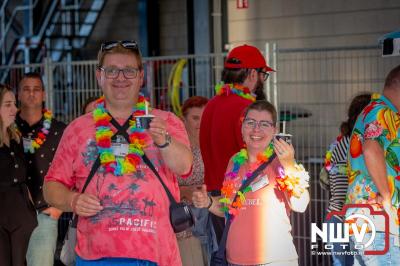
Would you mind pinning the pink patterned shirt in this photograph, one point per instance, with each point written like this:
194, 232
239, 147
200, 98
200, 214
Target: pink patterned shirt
135, 220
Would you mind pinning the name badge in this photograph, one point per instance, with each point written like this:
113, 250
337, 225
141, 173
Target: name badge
260, 183
119, 149
27, 143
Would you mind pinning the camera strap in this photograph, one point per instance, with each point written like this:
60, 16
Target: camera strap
120, 130
151, 166
253, 176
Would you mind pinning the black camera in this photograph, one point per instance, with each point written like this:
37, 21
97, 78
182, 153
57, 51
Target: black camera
285, 137
181, 216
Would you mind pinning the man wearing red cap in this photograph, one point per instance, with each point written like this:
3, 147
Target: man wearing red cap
245, 71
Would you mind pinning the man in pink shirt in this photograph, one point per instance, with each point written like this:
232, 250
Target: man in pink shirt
124, 212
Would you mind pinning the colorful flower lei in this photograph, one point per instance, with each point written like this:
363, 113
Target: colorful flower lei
328, 154
237, 89
228, 190
294, 182
41, 135
111, 163
330, 168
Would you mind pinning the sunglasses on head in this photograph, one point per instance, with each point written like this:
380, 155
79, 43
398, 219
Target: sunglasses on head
106, 46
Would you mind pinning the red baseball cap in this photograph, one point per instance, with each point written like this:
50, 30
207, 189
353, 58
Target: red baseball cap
246, 56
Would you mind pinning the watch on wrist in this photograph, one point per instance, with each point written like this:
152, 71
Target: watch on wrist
167, 142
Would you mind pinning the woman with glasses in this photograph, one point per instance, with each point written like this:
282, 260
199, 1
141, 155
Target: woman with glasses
260, 230
18, 216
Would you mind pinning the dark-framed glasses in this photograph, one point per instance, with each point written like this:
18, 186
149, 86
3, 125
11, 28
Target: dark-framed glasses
262, 124
126, 44
113, 72
264, 74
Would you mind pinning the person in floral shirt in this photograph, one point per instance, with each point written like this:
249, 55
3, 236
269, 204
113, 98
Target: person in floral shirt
374, 171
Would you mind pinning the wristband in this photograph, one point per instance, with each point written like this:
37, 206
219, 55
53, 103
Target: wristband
168, 141
211, 202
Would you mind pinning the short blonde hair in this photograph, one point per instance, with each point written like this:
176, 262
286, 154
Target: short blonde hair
119, 49
12, 130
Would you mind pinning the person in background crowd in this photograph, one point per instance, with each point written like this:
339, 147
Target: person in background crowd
191, 249
124, 216
374, 155
335, 164
40, 134
89, 105
245, 71
18, 216
260, 231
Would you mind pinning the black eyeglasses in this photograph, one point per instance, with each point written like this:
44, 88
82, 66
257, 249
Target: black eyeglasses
106, 46
113, 72
262, 125
264, 73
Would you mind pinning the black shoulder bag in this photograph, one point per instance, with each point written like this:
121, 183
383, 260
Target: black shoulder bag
181, 216
218, 258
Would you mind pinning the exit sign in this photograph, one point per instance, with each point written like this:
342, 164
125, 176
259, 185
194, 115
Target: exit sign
242, 3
